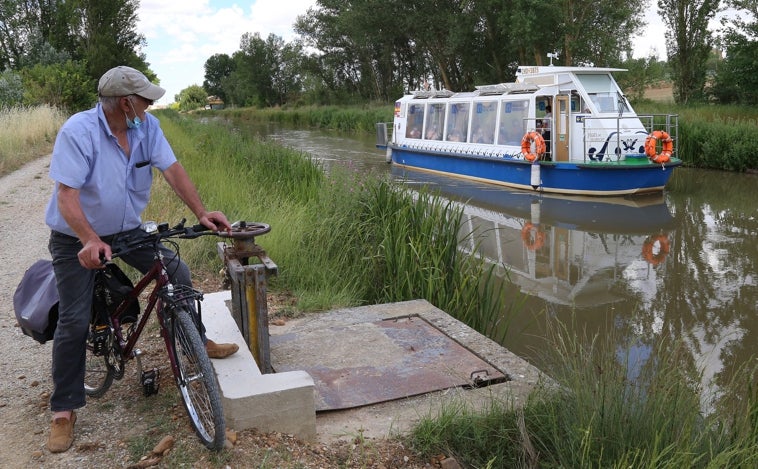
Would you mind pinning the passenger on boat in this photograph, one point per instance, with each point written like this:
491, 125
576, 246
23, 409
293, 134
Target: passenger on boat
510, 134
456, 136
433, 134
414, 133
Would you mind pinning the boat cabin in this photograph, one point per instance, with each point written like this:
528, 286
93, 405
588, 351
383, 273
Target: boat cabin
580, 112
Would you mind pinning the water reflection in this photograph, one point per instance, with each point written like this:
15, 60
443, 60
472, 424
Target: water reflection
680, 267
566, 251
641, 269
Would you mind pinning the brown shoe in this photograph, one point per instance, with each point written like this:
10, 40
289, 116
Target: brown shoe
61, 434
220, 350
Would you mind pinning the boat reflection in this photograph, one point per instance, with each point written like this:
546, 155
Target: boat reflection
567, 251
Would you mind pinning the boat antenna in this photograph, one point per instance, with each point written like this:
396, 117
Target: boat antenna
552, 55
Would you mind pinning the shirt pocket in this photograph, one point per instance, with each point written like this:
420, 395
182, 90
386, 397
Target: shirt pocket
141, 178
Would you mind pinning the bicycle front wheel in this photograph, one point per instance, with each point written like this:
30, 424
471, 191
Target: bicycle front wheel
197, 381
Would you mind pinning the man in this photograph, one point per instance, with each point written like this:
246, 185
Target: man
101, 166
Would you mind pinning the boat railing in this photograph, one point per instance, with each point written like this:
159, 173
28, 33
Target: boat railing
384, 133
597, 136
668, 123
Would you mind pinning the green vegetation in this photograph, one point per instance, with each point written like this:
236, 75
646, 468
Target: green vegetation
346, 238
343, 118
26, 133
340, 238
55, 51
714, 137
606, 411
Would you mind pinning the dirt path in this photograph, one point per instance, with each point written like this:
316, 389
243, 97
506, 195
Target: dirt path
24, 364
110, 430
104, 425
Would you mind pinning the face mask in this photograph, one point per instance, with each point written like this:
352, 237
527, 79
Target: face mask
133, 123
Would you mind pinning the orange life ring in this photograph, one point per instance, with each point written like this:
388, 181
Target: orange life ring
648, 249
532, 237
667, 147
526, 146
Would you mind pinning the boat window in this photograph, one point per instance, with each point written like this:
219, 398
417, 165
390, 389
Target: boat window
598, 83
483, 122
457, 122
576, 103
415, 121
434, 121
512, 121
604, 102
602, 90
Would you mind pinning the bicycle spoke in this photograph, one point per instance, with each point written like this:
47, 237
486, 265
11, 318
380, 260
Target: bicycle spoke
197, 382
98, 374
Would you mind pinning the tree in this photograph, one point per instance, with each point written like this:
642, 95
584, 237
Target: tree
11, 89
736, 79
63, 35
688, 44
108, 35
63, 85
191, 98
376, 51
217, 69
258, 71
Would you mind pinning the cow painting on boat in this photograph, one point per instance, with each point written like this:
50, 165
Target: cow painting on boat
565, 130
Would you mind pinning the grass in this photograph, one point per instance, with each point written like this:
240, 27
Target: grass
607, 411
340, 238
26, 133
343, 239
343, 118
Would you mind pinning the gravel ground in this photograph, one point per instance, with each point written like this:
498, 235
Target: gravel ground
122, 428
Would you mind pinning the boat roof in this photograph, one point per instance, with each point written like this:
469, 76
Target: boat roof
529, 79
537, 70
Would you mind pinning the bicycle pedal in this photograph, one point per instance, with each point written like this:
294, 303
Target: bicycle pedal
150, 381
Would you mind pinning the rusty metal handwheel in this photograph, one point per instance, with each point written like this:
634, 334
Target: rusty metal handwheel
245, 230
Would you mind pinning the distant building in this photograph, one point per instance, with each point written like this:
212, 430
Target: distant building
214, 102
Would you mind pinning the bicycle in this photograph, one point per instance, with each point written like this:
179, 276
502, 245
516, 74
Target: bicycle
116, 326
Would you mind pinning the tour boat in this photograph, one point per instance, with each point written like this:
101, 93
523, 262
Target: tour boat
563, 130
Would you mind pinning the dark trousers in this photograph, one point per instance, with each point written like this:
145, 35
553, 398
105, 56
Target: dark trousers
75, 288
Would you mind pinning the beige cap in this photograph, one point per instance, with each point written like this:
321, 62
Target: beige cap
123, 81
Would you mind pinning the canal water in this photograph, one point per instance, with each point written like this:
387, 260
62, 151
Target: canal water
679, 266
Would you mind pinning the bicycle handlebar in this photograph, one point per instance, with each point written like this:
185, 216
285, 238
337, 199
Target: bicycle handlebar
240, 230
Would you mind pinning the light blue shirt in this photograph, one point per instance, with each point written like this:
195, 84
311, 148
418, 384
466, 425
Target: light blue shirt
113, 189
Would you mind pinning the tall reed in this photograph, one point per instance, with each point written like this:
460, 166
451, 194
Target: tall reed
26, 133
340, 237
609, 409
344, 118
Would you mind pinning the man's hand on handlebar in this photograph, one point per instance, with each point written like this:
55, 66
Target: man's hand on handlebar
92, 254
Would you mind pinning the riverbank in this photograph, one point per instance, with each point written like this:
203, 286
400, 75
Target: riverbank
120, 428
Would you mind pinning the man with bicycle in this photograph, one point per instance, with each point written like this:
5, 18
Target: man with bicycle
102, 167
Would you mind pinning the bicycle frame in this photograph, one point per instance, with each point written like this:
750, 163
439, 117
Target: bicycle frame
158, 274
178, 313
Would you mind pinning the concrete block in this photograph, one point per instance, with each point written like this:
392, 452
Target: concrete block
282, 402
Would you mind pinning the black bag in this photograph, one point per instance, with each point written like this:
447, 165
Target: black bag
118, 286
35, 302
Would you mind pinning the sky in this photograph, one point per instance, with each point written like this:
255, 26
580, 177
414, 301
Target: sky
182, 35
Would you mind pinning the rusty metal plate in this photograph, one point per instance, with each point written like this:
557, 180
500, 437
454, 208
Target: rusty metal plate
373, 362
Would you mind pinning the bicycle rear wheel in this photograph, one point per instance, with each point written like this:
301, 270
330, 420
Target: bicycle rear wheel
197, 381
